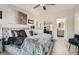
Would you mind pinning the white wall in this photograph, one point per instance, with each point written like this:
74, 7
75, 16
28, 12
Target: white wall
77, 19
9, 16
53, 16
29, 14
69, 25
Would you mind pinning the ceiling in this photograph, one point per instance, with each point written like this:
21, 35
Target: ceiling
50, 9
53, 8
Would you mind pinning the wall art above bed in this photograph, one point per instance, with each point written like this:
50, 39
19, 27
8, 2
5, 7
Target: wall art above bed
22, 18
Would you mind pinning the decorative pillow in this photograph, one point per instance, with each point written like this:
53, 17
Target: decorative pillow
16, 40
6, 33
31, 33
10, 33
27, 33
21, 33
38, 31
11, 40
19, 41
14, 33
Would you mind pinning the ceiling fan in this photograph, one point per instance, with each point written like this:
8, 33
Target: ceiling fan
43, 5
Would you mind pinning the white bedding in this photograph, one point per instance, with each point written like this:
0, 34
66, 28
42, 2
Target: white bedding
44, 39
12, 49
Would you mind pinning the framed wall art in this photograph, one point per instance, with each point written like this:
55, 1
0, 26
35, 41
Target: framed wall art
22, 18
30, 21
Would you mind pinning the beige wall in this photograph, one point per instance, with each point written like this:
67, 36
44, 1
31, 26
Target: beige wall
52, 17
77, 19
10, 13
10, 17
29, 14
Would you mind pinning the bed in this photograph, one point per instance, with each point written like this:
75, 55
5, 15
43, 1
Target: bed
29, 47
44, 39
32, 45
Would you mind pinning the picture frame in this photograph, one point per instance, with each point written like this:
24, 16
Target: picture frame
0, 14
22, 18
30, 21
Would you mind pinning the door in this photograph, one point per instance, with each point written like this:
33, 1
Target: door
61, 27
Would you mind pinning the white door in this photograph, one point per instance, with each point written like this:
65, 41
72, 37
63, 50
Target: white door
61, 27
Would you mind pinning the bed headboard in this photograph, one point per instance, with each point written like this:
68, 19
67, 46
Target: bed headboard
5, 29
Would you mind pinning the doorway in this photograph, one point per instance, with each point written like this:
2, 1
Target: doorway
61, 27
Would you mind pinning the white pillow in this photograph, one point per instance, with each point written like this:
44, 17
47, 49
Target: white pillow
15, 33
27, 33
38, 31
10, 33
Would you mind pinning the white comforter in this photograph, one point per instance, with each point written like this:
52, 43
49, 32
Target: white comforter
44, 39
13, 50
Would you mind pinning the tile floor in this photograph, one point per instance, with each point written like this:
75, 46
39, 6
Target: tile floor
61, 47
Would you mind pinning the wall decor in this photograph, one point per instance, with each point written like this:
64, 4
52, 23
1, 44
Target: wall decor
22, 18
30, 21
0, 14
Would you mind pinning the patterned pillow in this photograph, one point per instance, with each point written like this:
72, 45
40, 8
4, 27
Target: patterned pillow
22, 33
16, 40
31, 33
10, 33
19, 41
6, 33
14, 33
11, 40
19, 33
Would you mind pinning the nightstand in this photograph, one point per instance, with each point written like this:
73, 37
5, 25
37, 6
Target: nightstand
0, 45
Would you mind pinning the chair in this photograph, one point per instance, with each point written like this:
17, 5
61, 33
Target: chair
74, 41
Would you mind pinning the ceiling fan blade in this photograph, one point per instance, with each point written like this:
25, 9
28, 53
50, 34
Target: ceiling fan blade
44, 7
50, 4
37, 6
